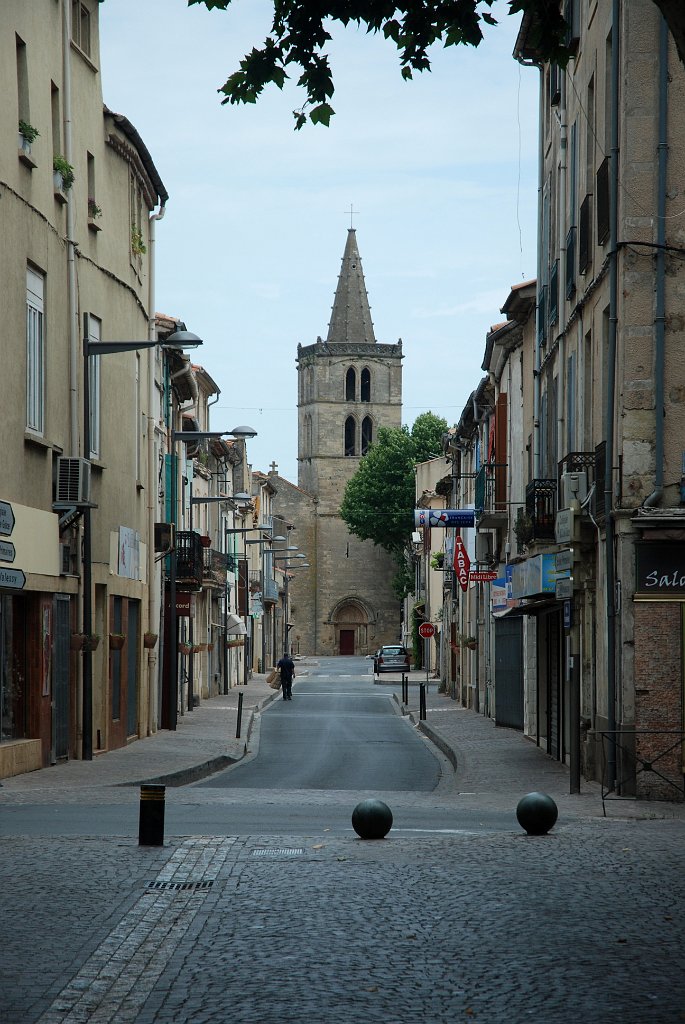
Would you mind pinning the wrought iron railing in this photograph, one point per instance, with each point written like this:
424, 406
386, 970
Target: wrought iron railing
490, 489
629, 754
189, 560
541, 508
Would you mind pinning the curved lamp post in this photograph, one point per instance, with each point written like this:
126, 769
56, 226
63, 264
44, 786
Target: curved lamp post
177, 340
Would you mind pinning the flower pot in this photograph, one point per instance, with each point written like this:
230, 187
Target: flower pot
150, 640
185, 648
90, 643
116, 641
76, 641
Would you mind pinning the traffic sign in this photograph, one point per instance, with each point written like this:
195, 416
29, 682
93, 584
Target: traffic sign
12, 579
7, 551
6, 519
427, 630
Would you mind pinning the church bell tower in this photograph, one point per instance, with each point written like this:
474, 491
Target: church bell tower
348, 387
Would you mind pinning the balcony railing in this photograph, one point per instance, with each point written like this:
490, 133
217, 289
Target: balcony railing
491, 495
213, 568
270, 592
189, 560
541, 507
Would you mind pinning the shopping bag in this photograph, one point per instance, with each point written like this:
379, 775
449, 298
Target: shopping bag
274, 679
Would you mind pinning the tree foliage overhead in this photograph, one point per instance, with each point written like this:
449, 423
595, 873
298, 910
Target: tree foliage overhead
299, 38
379, 498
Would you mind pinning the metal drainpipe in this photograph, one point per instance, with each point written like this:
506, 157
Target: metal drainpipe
539, 312
610, 399
74, 355
660, 311
154, 568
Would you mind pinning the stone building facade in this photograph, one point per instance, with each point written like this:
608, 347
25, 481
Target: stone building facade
348, 387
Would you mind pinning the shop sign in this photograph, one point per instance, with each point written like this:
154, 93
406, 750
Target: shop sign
462, 562
483, 575
533, 577
660, 571
444, 517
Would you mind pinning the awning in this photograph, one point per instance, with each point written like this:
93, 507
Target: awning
235, 626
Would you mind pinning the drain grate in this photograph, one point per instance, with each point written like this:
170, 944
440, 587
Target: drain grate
292, 851
182, 886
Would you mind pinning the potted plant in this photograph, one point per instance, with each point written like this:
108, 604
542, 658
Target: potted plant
27, 135
63, 173
438, 560
150, 640
523, 528
185, 648
76, 641
116, 641
94, 210
90, 642
138, 247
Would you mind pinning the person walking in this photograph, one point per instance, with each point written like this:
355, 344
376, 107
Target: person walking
286, 667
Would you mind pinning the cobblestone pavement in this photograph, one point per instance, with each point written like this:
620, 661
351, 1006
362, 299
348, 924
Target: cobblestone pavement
582, 925
585, 924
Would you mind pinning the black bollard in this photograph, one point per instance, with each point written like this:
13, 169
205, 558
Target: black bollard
405, 689
536, 813
422, 702
240, 716
372, 819
151, 820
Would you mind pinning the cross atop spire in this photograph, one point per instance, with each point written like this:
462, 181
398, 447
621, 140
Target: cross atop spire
351, 315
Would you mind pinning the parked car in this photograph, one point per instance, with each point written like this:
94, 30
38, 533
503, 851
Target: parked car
391, 658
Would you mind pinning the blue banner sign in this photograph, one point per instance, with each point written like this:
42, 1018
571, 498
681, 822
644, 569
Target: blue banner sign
444, 517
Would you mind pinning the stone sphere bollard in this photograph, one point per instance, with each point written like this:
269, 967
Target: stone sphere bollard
372, 819
536, 813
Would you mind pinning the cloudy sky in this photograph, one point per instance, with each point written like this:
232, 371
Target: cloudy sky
441, 171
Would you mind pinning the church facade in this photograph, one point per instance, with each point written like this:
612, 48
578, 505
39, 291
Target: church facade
348, 387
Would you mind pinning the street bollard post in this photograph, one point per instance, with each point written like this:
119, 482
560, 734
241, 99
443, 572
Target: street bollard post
151, 819
422, 702
405, 689
240, 716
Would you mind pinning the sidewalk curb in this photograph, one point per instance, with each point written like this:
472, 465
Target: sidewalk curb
430, 734
184, 776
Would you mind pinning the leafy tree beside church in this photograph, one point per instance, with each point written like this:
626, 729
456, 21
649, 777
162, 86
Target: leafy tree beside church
379, 499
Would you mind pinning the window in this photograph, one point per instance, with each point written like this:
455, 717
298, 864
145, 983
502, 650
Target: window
367, 434
350, 436
571, 403
22, 81
80, 26
35, 351
94, 333
366, 385
350, 385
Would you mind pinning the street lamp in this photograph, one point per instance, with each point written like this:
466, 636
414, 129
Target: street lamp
187, 436
177, 340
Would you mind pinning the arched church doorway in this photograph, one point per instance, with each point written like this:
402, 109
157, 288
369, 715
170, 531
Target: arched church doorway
351, 626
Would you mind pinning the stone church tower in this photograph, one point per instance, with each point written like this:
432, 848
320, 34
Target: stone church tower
348, 387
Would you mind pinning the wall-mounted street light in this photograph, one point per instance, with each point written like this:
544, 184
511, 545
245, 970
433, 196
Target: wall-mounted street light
177, 340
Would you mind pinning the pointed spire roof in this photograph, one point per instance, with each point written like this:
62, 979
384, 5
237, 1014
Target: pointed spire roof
351, 315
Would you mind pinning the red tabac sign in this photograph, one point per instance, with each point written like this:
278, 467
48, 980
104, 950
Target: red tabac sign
462, 562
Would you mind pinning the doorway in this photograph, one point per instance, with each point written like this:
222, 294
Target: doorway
347, 641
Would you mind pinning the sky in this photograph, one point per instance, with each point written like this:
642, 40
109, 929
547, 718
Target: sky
441, 173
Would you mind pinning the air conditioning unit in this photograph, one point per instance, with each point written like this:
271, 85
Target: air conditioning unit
164, 537
573, 488
73, 481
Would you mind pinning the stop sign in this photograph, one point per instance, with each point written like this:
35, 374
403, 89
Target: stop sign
426, 630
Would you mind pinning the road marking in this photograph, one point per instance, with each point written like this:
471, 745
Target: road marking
117, 978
